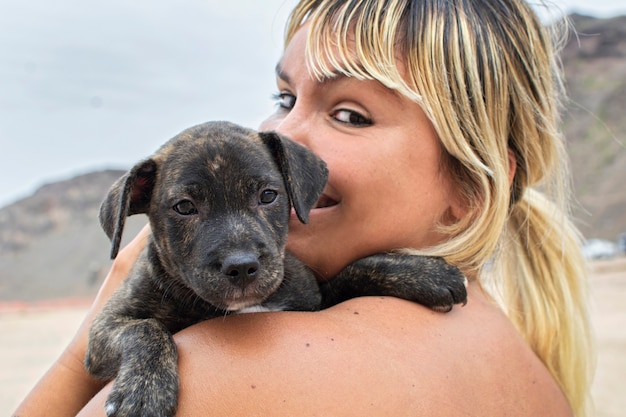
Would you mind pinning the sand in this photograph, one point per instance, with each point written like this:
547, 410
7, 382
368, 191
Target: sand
34, 335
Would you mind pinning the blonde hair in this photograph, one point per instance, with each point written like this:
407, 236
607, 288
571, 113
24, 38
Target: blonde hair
487, 75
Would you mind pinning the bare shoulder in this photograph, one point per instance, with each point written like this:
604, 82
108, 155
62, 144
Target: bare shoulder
368, 356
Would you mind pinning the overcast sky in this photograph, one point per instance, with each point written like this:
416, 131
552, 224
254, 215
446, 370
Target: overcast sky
88, 85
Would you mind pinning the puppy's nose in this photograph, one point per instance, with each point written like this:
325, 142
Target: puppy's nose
241, 269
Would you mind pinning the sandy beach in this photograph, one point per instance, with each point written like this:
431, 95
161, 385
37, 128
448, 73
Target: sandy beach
34, 335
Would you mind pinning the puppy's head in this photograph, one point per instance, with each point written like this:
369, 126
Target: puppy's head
218, 197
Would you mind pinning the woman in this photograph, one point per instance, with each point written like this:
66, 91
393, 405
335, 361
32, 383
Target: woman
436, 119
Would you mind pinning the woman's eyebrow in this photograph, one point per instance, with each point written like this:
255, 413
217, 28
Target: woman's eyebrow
281, 74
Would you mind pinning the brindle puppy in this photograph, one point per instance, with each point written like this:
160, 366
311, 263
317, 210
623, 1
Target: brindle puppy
218, 198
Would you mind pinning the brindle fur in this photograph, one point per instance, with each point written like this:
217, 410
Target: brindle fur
182, 278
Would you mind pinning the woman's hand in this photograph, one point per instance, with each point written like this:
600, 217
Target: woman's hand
118, 272
67, 386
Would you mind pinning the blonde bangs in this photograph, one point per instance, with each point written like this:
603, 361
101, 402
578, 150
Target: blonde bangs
353, 39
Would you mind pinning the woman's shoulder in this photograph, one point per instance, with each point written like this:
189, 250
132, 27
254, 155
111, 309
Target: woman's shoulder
367, 356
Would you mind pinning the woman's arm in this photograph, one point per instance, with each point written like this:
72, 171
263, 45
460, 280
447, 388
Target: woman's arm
67, 386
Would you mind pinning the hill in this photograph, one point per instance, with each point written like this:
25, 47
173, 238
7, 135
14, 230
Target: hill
594, 61
51, 245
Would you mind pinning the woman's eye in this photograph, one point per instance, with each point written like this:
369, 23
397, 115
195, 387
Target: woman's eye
285, 101
185, 208
351, 117
267, 196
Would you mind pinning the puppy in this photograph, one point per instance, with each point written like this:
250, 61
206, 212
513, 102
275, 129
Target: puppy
218, 198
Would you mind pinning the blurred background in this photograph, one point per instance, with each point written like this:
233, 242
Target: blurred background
87, 88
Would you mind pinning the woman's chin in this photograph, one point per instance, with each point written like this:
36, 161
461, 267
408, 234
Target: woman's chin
315, 243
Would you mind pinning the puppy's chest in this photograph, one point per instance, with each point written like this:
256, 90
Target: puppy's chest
178, 315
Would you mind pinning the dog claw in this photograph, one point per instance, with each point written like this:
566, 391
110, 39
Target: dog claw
110, 408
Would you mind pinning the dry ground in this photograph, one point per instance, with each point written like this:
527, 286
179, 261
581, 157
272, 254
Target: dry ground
34, 336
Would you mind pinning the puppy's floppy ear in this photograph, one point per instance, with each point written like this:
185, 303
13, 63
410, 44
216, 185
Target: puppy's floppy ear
304, 173
128, 195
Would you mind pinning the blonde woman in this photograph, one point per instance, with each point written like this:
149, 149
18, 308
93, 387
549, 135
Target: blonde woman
438, 120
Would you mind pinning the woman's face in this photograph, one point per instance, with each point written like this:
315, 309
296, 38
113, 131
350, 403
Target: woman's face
386, 189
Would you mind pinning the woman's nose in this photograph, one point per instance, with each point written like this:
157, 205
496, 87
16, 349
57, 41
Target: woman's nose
292, 125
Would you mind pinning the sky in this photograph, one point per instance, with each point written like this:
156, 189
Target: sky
89, 85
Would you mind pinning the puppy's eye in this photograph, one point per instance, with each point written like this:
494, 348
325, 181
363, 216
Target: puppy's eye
267, 196
185, 208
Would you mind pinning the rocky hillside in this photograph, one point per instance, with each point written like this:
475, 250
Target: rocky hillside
51, 245
595, 124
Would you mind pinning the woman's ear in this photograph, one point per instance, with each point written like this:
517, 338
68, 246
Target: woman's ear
459, 207
512, 166
459, 204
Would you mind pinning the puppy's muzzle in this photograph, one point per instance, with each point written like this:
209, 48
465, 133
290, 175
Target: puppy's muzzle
241, 269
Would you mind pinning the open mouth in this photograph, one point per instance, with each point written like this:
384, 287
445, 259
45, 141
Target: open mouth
325, 201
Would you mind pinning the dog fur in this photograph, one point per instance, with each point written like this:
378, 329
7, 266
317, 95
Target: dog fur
218, 197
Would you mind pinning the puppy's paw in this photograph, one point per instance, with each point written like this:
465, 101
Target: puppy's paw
426, 280
149, 394
449, 286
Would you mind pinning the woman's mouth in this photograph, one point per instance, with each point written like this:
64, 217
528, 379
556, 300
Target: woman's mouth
323, 204
325, 201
